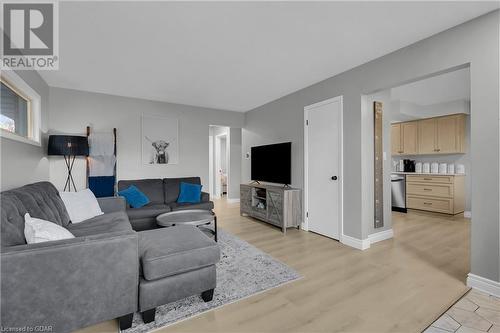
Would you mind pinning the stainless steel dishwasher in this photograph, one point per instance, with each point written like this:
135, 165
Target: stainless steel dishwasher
398, 192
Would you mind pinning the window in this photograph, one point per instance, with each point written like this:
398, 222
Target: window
15, 111
19, 109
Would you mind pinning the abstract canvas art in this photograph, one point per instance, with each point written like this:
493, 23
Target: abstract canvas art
160, 140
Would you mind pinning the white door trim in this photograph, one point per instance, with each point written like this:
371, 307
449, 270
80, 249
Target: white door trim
211, 162
305, 225
217, 187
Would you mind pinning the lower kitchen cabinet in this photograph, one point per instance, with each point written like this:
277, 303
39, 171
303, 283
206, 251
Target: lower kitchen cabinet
436, 193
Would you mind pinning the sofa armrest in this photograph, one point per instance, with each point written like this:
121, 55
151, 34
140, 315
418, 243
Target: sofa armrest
112, 204
69, 284
205, 197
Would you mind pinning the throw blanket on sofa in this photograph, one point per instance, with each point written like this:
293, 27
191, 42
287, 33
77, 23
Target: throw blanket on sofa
101, 164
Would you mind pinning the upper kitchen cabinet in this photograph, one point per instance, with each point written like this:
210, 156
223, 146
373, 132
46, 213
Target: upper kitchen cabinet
410, 137
427, 130
438, 135
396, 146
404, 138
451, 134
442, 135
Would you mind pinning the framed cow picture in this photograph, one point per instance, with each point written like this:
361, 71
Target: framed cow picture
160, 140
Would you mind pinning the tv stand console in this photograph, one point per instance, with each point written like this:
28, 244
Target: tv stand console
277, 205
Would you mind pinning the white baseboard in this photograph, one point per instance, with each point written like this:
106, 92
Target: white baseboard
468, 214
380, 236
483, 284
360, 244
363, 244
233, 200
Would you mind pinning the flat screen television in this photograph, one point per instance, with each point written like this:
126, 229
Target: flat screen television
272, 163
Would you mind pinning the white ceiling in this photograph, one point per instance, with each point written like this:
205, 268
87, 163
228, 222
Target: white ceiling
234, 55
437, 89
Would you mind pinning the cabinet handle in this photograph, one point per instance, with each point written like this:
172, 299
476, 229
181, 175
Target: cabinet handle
428, 203
427, 178
427, 189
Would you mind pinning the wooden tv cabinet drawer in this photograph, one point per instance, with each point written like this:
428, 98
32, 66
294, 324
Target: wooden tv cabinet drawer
436, 193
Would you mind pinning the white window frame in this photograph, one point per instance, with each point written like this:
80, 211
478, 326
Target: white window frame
21, 87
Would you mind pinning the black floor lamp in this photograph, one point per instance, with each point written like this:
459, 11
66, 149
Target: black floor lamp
68, 146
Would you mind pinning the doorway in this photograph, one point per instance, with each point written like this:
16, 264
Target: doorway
323, 167
219, 160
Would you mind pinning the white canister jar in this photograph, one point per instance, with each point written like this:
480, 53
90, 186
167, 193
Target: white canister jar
443, 168
434, 167
418, 167
451, 169
426, 168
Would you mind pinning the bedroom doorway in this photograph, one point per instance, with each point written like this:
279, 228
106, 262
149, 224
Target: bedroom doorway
218, 161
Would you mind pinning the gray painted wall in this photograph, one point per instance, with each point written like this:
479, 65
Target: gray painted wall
71, 111
23, 163
476, 43
233, 191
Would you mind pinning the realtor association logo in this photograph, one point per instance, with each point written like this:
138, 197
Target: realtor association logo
30, 35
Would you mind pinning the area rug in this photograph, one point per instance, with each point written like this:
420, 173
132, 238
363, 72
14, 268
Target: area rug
242, 271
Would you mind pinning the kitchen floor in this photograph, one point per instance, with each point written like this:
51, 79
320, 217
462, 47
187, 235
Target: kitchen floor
475, 312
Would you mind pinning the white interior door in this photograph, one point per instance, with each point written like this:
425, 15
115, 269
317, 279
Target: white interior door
323, 164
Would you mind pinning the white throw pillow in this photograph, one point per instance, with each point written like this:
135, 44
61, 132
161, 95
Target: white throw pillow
81, 205
38, 230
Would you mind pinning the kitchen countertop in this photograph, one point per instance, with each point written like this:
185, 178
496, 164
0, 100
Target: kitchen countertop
427, 174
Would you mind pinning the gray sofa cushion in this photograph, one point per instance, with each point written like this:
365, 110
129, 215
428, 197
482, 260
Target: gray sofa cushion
147, 223
202, 205
151, 210
172, 187
152, 188
106, 223
40, 200
170, 251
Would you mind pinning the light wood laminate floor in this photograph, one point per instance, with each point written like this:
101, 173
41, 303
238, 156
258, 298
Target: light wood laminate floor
398, 285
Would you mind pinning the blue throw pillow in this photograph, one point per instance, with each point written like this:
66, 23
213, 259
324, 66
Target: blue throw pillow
189, 193
134, 197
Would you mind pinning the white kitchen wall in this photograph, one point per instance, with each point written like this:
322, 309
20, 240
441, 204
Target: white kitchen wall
71, 111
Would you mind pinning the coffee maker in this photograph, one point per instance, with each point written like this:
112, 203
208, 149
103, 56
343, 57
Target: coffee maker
409, 165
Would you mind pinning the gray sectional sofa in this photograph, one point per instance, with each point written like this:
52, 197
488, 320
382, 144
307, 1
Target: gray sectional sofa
163, 194
107, 271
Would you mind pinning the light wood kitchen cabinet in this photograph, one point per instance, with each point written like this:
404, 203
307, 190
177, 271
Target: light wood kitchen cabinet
410, 137
439, 135
442, 135
427, 136
451, 134
396, 139
442, 194
404, 138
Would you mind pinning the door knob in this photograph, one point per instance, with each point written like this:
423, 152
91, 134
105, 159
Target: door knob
334, 177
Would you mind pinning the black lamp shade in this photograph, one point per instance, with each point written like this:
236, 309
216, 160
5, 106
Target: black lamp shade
68, 145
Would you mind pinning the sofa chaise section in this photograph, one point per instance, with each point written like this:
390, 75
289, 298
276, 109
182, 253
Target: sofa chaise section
176, 262
66, 284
